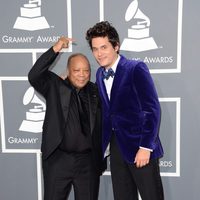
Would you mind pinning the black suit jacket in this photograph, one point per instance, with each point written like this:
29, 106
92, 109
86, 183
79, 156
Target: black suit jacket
57, 95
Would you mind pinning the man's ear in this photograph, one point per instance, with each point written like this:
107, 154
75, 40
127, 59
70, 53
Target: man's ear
117, 48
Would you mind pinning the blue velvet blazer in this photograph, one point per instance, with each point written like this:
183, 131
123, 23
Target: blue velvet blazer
133, 111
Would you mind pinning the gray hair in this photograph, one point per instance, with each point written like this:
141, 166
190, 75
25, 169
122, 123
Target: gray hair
77, 55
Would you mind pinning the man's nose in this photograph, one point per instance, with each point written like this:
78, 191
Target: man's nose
99, 52
81, 73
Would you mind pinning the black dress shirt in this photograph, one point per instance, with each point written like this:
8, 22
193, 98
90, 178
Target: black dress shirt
77, 140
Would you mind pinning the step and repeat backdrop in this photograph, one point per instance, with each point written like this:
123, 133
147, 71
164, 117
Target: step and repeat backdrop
167, 40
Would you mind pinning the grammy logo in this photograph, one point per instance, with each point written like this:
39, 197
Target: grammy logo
31, 18
138, 35
35, 116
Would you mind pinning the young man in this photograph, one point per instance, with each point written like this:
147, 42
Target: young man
71, 140
131, 117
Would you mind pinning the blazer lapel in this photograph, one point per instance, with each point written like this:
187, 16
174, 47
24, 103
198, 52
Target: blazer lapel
119, 75
65, 94
93, 102
102, 88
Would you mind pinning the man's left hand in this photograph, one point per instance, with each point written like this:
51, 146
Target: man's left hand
142, 157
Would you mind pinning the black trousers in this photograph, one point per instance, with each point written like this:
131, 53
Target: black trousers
127, 179
62, 171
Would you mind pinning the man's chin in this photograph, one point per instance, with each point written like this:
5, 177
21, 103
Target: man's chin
79, 86
102, 64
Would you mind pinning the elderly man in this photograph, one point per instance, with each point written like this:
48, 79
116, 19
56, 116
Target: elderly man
71, 142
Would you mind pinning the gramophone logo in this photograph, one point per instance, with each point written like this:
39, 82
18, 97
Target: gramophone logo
31, 18
138, 35
34, 116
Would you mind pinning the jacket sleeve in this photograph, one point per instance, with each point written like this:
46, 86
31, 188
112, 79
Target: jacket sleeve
149, 104
39, 74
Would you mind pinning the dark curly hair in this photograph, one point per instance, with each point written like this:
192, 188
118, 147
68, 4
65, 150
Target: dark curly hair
103, 29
